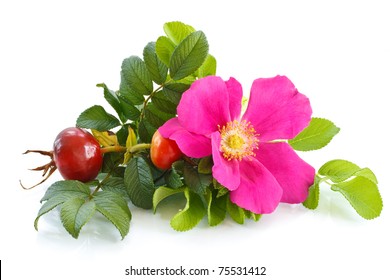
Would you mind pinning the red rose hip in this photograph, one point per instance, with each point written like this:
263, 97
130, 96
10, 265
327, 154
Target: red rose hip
164, 151
77, 155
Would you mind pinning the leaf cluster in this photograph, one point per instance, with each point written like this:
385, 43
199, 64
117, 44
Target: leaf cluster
358, 185
151, 86
149, 92
78, 204
214, 203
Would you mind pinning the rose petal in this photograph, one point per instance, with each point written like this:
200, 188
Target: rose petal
276, 109
204, 106
259, 191
191, 144
226, 172
294, 175
235, 98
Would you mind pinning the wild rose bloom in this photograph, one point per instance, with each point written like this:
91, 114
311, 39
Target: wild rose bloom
250, 158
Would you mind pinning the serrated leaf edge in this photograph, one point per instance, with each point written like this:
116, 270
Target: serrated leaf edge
62, 197
229, 206
77, 230
291, 142
187, 194
126, 211
174, 75
156, 201
210, 200
337, 189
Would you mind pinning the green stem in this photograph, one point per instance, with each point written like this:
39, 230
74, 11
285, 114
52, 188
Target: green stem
134, 149
159, 177
324, 179
139, 147
99, 186
151, 96
121, 149
113, 149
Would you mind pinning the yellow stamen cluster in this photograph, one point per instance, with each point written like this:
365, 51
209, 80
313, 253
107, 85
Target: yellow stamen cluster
238, 140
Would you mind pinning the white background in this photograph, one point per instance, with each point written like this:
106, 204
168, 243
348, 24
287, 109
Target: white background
53, 53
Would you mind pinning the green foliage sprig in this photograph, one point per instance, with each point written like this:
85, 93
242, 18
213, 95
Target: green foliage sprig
149, 93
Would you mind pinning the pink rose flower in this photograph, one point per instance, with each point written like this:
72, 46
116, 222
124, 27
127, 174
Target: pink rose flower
250, 154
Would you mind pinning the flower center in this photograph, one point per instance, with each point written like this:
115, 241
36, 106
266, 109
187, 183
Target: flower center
238, 140
235, 141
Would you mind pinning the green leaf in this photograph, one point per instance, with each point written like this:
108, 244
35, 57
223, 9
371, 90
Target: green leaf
157, 174
115, 185
146, 130
162, 193
157, 69
128, 94
97, 118
244, 103
130, 112
50, 205
363, 195
205, 165
189, 80
195, 181
131, 140
338, 170
175, 88
313, 198
75, 213
60, 192
137, 76
164, 49
251, 215
178, 166
367, 173
316, 136
235, 212
173, 179
221, 189
166, 102
112, 98
110, 164
177, 31
256, 217
208, 68
114, 207
122, 134
139, 183
156, 117
216, 208
189, 55
69, 188
192, 213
